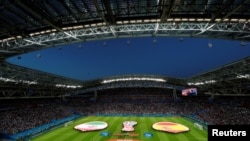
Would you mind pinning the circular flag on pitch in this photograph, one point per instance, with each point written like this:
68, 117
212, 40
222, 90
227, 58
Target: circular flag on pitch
170, 127
91, 126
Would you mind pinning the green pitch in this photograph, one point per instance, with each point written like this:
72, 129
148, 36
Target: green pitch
144, 125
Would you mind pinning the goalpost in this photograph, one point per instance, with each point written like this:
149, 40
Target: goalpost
68, 123
197, 125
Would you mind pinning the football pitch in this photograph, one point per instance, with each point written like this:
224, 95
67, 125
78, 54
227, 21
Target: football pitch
113, 132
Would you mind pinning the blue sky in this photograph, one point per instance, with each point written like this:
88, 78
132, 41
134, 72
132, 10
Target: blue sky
165, 56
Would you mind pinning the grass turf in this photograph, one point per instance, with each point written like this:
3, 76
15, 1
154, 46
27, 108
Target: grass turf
144, 124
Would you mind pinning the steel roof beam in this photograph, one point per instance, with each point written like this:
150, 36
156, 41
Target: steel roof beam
225, 6
112, 20
86, 6
16, 13
69, 10
164, 29
38, 15
222, 19
53, 8
166, 11
100, 12
42, 18
75, 6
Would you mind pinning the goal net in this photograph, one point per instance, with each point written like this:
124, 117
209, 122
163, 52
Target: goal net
197, 125
68, 123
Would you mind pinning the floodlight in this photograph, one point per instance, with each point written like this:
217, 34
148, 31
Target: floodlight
104, 43
154, 41
38, 55
210, 45
59, 48
128, 42
243, 43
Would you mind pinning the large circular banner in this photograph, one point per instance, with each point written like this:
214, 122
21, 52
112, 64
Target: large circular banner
170, 127
91, 126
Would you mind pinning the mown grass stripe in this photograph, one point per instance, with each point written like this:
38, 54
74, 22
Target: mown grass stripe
141, 125
195, 133
114, 126
158, 135
56, 133
144, 124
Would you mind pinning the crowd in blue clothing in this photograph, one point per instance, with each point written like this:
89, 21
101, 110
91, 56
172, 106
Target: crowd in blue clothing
20, 115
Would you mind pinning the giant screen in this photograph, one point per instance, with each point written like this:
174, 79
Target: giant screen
189, 92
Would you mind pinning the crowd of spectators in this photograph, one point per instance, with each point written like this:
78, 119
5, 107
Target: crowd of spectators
22, 114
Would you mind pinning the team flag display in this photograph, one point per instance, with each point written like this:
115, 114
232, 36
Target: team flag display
129, 126
170, 127
91, 126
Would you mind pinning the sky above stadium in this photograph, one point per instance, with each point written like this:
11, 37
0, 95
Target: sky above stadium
165, 56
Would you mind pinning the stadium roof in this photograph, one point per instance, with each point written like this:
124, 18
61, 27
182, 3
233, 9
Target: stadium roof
32, 25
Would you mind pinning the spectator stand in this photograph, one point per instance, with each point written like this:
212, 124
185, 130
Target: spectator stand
46, 127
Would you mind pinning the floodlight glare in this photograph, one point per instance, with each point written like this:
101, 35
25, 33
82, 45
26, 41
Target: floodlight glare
210, 45
133, 79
